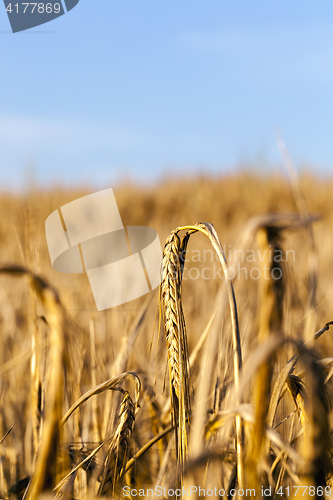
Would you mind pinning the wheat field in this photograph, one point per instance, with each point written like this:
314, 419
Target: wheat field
218, 383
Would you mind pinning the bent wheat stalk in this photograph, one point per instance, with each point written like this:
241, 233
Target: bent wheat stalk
45, 468
175, 333
115, 466
174, 325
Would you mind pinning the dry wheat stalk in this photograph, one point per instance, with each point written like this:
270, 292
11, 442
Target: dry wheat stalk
170, 288
175, 333
44, 476
117, 455
270, 301
110, 384
118, 451
312, 404
172, 268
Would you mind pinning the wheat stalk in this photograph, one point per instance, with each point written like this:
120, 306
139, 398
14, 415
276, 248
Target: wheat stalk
175, 334
44, 475
172, 269
117, 455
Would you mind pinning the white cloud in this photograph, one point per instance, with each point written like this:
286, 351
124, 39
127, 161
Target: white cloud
35, 133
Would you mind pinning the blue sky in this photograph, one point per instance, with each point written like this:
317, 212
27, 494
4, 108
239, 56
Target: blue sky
119, 88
